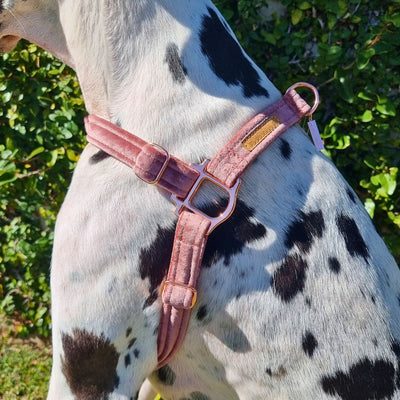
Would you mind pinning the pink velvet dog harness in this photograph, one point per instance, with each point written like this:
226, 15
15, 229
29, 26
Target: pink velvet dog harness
155, 165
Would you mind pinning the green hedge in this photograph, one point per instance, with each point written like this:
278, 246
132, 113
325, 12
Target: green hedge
348, 49
40, 140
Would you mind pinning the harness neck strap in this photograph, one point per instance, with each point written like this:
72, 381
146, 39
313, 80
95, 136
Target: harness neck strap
155, 165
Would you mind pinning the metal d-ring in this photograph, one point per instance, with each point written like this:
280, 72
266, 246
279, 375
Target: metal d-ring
315, 91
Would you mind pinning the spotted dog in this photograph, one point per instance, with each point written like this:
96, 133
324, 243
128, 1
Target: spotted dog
298, 295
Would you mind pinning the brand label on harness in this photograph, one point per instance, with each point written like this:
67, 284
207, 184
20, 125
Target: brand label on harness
260, 133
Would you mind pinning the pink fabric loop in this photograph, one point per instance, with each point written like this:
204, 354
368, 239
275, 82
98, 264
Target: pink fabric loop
144, 158
189, 243
188, 250
173, 326
233, 159
113, 140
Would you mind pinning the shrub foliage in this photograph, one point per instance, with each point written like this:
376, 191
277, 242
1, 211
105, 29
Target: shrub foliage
348, 49
40, 141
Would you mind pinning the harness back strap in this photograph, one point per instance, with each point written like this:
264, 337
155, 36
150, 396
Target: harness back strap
154, 165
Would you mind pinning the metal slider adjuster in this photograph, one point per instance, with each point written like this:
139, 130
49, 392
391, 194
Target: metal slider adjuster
182, 285
163, 168
187, 201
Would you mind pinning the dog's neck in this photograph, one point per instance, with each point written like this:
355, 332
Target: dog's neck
153, 68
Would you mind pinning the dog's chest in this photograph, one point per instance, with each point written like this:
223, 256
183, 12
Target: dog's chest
267, 316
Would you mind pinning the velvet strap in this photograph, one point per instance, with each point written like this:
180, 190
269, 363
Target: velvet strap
154, 165
179, 293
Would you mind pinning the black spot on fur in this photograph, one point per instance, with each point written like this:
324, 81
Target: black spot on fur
309, 344
176, 67
232, 236
285, 149
198, 396
280, 373
224, 242
396, 351
334, 265
289, 279
226, 57
154, 261
303, 231
127, 360
351, 194
128, 332
136, 353
354, 242
202, 312
131, 343
89, 365
366, 380
166, 375
99, 156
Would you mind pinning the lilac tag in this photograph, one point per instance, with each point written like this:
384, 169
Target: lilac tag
316, 137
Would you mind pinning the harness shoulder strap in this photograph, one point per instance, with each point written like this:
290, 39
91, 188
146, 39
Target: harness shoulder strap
178, 292
154, 165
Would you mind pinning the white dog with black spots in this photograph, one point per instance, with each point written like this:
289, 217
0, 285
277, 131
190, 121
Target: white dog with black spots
298, 295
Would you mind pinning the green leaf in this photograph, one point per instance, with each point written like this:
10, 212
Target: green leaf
364, 96
296, 16
270, 38
364, 57
367, 116
395, 19
343, 142
72, 156
346, 90
7, 178
387, 108
304, 5
387, 183
395, 218
35, 152
369, 205
53, 158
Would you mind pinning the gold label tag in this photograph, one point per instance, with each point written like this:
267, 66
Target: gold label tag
256, 137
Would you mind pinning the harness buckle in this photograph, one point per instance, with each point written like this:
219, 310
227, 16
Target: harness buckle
162, 169
184, 286
187, 201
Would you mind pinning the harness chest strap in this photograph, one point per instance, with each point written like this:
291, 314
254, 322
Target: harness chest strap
154, 165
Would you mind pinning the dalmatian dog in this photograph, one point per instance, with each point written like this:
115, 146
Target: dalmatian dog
298, 297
